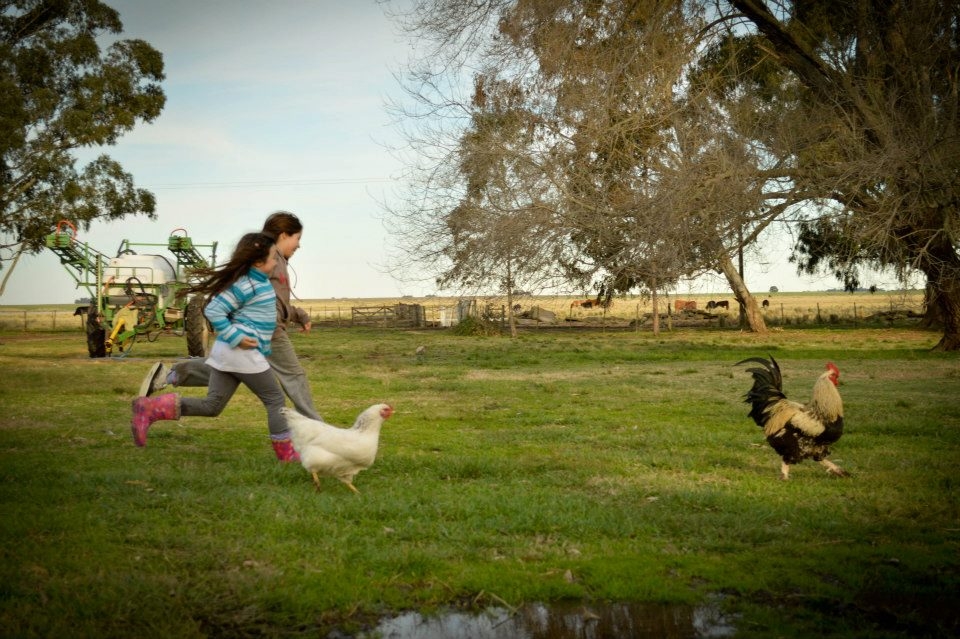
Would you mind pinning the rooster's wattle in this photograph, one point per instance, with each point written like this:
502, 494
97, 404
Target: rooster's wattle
796, 431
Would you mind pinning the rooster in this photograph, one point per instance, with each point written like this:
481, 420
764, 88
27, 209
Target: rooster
796, 431
337, 452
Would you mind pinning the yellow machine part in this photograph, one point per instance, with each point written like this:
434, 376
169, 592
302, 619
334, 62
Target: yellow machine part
125, 317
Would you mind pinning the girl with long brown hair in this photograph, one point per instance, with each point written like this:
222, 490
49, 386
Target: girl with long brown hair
287, 229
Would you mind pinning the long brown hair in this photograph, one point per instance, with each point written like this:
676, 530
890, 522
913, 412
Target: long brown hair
282, 222
252, 248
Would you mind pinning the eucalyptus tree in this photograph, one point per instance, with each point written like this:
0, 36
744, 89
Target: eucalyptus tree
873, 133
62, 92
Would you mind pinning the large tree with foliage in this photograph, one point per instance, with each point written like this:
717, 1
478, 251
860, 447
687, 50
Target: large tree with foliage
59, 92
837, 118
873, 133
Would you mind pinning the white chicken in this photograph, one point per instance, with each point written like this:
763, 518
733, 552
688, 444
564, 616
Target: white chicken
337, 452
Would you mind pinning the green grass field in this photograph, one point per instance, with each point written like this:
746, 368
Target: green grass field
557, 467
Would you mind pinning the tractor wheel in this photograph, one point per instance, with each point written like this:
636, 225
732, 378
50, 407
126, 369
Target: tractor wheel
96, 334
196, 327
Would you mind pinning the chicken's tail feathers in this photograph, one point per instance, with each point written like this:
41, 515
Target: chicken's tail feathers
769, 375
767, 387
302, 429
758, 360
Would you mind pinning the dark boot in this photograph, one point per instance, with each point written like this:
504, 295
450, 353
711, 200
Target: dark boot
147, 410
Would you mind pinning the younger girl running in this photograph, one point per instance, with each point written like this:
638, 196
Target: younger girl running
242, 309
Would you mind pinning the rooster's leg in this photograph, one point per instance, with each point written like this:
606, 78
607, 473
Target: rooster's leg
833, 469
316, 481
352, 487
784, 471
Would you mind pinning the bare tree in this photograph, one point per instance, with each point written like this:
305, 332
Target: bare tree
598, 83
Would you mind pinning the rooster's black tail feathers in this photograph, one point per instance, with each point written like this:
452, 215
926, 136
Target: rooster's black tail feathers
767, 387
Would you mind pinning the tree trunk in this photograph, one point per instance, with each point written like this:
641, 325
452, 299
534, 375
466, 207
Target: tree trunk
511, 318
943, 298
751, 308
656, 310
931, 312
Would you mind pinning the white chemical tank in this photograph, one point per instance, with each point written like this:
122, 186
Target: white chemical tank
149, 269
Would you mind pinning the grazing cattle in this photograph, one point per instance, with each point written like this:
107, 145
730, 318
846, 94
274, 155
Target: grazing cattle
81, 310
766, 303
721, 304
684, 305
597, 302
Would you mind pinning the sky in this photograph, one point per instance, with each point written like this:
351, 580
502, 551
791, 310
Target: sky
281, 105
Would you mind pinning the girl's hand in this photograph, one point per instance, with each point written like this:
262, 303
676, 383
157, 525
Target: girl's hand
247, 343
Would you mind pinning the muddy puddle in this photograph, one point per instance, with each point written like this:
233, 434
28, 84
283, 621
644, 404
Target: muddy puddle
573, 621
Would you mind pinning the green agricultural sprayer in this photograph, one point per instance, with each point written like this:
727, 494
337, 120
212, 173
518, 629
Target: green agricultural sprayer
135, 296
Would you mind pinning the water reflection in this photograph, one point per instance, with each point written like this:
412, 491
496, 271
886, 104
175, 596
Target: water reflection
573, 621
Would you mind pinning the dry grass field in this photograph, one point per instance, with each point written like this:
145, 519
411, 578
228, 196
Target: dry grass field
784, 309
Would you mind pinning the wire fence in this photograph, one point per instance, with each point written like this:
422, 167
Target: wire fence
383, 315
631, 313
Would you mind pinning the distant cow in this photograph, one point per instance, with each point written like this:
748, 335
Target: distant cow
766, 303
684, 305
721, 304
589, 304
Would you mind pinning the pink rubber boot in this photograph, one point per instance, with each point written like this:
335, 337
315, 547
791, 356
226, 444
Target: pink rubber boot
147, 410
284, 449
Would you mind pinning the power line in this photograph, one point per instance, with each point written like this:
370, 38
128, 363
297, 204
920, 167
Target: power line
268, 183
